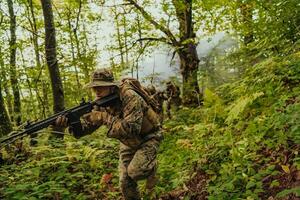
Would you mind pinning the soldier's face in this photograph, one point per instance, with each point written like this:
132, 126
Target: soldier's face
102, 91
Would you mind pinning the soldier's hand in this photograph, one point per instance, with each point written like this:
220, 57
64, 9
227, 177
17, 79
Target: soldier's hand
97, 117
61, 121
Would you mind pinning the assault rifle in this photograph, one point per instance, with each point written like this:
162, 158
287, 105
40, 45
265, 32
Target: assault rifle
73, 115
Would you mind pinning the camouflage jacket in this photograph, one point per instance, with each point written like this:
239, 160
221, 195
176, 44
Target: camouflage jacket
126, 121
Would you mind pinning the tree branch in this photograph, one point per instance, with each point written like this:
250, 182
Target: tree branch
78, 16
149, 18
162, 39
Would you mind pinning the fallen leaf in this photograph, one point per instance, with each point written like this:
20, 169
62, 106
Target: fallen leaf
286, 169
106, 178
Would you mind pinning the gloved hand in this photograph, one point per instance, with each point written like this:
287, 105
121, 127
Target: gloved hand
98, 117
61, 121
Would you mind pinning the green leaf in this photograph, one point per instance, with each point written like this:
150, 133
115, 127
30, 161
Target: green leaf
250, 184
275, 183
286, 192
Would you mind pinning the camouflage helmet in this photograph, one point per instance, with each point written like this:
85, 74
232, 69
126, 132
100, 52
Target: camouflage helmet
102, 77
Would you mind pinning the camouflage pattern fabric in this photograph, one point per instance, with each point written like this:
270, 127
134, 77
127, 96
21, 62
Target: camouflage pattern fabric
135, 165
102, 77
160, 97
137, 150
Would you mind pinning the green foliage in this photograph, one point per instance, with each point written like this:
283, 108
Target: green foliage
239, 105
72, 170
263, 106
233, 134
289, 191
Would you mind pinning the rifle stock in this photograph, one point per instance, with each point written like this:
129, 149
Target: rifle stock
73, 114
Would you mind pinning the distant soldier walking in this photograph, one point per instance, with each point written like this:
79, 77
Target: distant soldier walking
173, 97
133, 122
160, 97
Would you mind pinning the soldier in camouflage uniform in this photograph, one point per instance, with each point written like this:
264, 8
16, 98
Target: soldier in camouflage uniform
128, 121
160, 97
173, 95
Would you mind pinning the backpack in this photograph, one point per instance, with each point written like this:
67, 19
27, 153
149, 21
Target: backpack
153, 118
135, 85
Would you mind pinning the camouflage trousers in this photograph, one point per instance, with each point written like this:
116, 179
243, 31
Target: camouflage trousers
135, 165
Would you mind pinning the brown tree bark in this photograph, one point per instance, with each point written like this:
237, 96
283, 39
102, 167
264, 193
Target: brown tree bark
188, 53
13, 70
50, 49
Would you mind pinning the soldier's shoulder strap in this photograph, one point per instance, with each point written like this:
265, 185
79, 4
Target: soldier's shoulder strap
134, 84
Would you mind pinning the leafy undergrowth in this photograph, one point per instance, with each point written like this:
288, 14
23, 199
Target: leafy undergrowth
243, 143
73, 169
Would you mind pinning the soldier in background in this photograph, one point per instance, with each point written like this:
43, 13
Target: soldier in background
173, 97
159, 96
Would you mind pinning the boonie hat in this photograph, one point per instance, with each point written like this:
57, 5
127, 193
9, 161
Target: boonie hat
102, 77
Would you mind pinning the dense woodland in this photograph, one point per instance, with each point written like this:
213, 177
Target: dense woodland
235, 136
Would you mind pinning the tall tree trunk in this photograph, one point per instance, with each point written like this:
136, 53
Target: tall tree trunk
84, 47
85, 65
78, 54
124, 20
50, 49
6, 88
5, 82
34, 34
188, 53
189, 68
141, 48
74, 61
32, 21
13, 70
119, 36
5, 124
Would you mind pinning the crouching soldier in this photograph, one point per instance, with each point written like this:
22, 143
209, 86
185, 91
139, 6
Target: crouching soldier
130, 120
